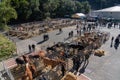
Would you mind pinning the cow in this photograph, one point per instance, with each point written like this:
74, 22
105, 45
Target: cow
52, 62
28, 72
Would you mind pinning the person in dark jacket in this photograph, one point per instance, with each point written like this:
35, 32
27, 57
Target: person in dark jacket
29, 46
33, 47
62, 69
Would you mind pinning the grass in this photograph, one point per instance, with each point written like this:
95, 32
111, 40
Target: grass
7, 47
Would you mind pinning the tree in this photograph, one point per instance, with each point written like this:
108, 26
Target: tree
22, 9
6, 12
35, 11
78, 6
86, 7
48, 7
66, 7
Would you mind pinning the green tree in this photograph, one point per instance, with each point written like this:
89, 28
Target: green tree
78, 6
86, 7
48, 7
34, 8
22, 8
6, 13
66, 7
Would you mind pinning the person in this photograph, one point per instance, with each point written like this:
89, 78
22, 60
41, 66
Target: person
116, 44
29, 46
84, 29
33, 47
117, 40
77, 26
72, 33
112, 39
74, 62
69, 34
44, 37
62, 69
77, 64
60, 30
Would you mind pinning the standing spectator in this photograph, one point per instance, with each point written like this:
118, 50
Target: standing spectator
84, 29
74, 62
62, 69
117, 40
60, 30
77, 64
77, 32
69, 34
72, 33
33, 47
29, 46
116, 45
112, 39
77, 26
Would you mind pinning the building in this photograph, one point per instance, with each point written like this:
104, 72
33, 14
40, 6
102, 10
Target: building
111, 12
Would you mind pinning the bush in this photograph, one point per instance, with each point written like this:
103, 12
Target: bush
7, 47
4, 27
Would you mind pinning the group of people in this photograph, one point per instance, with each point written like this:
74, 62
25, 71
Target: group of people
70, 34
31, 48
45, 37
85, 27
113, 24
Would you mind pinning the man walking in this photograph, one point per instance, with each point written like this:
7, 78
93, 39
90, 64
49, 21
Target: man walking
33, 47
29, 46
62, 69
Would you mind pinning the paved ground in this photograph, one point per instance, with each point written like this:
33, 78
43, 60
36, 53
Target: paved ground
106, 67
22, 46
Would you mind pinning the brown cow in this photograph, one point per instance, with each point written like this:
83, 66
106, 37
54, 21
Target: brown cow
31, 65
28, 72
52, 62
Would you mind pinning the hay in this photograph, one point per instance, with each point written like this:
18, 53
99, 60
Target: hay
99, 53
69, 76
